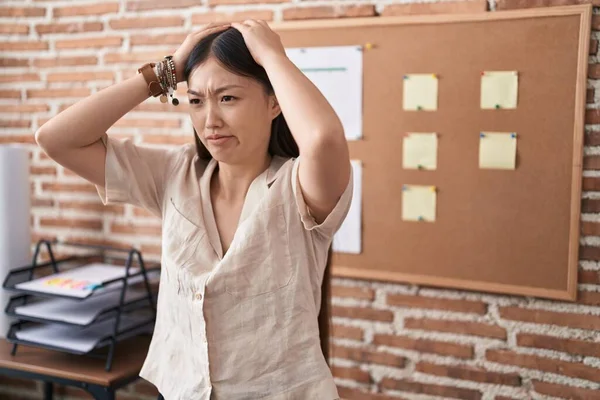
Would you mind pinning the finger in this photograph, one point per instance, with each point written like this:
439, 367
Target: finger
212, 26
239, 26
251, 22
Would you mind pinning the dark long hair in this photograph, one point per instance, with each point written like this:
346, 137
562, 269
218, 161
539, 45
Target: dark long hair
229, 49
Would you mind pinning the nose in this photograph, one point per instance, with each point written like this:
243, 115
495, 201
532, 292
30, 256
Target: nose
213, 118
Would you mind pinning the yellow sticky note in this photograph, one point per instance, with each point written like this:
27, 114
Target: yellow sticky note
420, 92
499, 89
418, 203
419, 151
497, 150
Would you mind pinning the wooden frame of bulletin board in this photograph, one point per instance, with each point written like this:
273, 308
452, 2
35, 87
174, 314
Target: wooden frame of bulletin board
507, 231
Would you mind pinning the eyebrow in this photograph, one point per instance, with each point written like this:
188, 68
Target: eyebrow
217, 91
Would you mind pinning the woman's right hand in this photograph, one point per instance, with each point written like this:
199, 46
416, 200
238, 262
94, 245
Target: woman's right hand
183, 52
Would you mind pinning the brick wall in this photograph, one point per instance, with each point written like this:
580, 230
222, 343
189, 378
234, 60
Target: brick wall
401, 341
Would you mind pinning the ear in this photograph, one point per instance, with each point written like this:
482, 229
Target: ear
274, 107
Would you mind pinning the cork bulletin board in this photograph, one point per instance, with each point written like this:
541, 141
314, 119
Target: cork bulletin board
504, 231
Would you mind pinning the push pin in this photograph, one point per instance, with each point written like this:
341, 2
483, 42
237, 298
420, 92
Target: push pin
482, 135
420, 218
368, 46
497, 106
419, 108
513, 135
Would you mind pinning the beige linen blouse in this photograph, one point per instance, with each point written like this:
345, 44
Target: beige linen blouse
241, 325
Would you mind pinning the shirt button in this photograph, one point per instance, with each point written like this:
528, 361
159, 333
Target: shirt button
198, 296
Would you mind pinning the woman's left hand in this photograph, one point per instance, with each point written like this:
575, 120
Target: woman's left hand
262, 42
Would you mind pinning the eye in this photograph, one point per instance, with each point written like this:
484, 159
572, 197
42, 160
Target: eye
195, 101
227, 98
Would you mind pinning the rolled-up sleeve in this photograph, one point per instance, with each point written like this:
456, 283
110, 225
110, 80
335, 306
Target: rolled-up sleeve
136, 174
336, 217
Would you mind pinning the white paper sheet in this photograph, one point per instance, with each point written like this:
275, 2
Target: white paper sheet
348, 237
15, 215
75, 311
337, 73
79, 282
81, 340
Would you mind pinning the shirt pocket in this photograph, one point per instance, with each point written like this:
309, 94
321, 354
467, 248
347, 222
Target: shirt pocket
261, 262
181, 242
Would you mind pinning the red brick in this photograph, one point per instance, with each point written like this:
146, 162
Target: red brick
468, 373
42, 170
589, 253
80, 76
590, 205
6, 62
22, 12
353, 292
240, 16
592, 138
589, 277
589, 96
10, 94
28, 139
593, 46
357, 394
26, 77
591, 162
36, 202
69, 187
460, 327
151, 249
99, 242
589, 228
65, 61
70, 27
99, 42
223, 2
317, 12
589, 298
595, 22
425, 345
88, 9
93, 224
129, 229
430, 389
351, 373
348, 332
516, 4
164, 39
15, 123
141, 212
133, 58
566, 392
570, 320
446, 7
592, 116
594, 71
467, 306
570, 346
23, 46
369, 356
14, 29
154, 22
362, 313
159, 4
93, 207
559, 367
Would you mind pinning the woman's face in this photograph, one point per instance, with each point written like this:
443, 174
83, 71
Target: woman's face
232, 114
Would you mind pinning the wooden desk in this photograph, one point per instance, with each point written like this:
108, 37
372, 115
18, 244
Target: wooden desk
83, 372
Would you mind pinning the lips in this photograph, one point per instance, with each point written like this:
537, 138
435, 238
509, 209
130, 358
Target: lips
218, 139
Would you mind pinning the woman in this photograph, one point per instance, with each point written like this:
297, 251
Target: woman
248, 214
